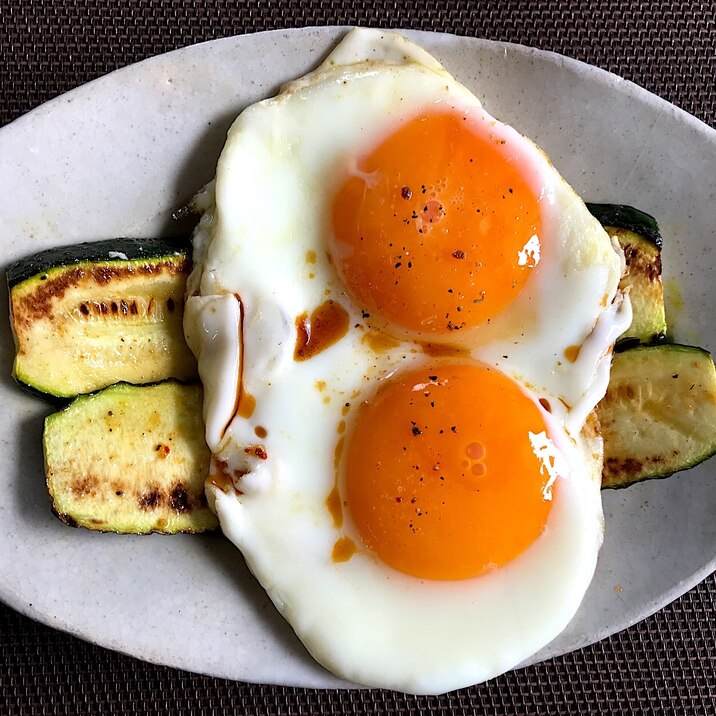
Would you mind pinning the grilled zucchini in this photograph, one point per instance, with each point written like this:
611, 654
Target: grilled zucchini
86, 316
638, 235
130, 459
659, 413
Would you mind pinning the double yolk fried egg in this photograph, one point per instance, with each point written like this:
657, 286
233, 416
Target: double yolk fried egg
403, 317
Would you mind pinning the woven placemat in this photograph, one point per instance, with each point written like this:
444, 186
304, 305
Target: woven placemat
667, 663
49, 48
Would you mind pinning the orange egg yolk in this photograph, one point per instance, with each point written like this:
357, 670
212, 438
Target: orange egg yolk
441, 477
437, 229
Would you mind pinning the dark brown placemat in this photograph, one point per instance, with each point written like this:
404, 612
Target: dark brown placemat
667, 663
49, 48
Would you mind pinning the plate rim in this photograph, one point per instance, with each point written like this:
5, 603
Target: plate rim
10, 596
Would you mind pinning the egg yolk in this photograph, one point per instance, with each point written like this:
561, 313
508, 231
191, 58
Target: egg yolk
443, 478
437, 229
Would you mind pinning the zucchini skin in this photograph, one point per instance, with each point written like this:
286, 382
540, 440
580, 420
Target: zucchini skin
629, 342
627, 217
92, 251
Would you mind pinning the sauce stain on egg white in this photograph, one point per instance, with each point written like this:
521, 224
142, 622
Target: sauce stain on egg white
333, 503
343, 549
326, 325
220, 477
443, 349
571, 353
247, 405
379, 342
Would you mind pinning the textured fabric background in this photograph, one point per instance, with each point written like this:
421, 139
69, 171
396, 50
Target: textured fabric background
665, 664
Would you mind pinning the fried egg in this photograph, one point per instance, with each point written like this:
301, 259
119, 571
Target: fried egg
403, 317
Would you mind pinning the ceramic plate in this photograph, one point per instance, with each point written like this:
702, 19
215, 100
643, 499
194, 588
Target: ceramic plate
115, 157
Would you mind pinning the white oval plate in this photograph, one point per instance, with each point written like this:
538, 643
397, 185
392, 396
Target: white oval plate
115, 157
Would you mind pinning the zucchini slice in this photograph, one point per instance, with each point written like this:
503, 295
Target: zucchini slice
646, 291
659, 413
130, 459
86, 316
639, 236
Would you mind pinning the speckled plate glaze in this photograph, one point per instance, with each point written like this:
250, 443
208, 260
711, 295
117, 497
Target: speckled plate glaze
115, 157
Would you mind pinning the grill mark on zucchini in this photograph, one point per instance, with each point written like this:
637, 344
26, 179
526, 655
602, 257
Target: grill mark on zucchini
62, 517
179, 499
651, 269
175, 497
84, 486
139, 308
40, 303
632, 470
150, 500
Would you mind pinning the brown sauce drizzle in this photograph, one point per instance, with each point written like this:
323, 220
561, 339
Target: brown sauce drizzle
333, 503
338, 453
240, 377
327, 324
442, 349
247, 405
221, 477
379, 342
343, 549
571, 353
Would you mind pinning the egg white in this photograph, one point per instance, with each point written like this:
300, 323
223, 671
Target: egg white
263, 238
